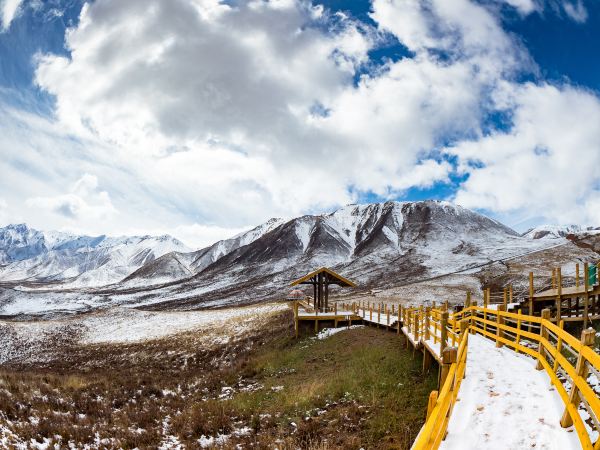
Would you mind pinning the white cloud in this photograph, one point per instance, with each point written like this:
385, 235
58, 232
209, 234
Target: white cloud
236, 128
576, 10
9, 9
84, 203
547, 165
523, 6
200, 118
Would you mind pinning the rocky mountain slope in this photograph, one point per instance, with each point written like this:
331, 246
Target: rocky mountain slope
29, 255
381, 246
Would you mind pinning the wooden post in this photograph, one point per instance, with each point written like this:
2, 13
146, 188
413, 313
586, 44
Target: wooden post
510, 294
388, 317
371, 313
378, 314
433, 396
499, 321
416, 328
559, 345
559, 295
464, 332
531, 312
427, 322
486, 299
544, 335
464, 326
468, 299
505, 299
399, 315
518, 337
587, 338
586, 295
553, 279
444, 330
576, 274
449, 355
335, 319
296, 318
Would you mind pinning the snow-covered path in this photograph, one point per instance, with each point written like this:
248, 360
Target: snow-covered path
506, 404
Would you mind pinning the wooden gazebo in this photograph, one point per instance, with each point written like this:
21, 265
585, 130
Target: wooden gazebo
320, 280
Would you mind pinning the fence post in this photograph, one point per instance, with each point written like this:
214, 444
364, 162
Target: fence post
543, 335
499, 322
531, 293
427, 321
335, 320
587, 339
559, 345
444, 330
416, 327
486, 300
433, 396
449, 355
296, 318
399, 315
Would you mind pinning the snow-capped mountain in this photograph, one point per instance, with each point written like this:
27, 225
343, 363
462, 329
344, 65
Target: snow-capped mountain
374, 244
555, 231
175, 266
76, 261
381, 245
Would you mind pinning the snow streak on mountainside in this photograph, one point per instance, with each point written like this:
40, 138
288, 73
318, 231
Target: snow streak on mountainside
556, 231
175, 266
76, 261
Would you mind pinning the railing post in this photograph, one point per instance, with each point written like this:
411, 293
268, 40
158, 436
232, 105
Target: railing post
427, 321
486, 300
449, 355
433, 396
335, 320
296, 318
416, 327
499, 322
587, 339
444, 330
543, 335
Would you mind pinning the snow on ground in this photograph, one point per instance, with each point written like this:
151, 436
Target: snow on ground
121, 325
326, 332
506, 403
30, 340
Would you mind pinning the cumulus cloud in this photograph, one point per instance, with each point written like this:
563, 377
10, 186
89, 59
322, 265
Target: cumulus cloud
223, 100
547, 165
85, 201
202, 112
9, 9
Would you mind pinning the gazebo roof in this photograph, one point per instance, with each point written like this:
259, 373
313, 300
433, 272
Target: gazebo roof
333, 278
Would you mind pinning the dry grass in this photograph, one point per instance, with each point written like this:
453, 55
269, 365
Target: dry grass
262, 390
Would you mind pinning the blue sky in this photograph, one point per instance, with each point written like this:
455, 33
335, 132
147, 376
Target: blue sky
201, 118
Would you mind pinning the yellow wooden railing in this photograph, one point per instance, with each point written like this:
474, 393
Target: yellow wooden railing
557, 352
438, 414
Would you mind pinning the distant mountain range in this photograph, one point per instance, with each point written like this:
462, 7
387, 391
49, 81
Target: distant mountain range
377, 245
76, 261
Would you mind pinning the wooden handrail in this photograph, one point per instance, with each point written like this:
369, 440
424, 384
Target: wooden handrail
512, 334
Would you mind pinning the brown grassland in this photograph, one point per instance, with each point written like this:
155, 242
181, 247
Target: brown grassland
358, 388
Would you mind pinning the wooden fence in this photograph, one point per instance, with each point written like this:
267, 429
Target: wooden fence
568, 361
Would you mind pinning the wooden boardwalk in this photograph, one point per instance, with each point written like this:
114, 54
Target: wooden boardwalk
568, 367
